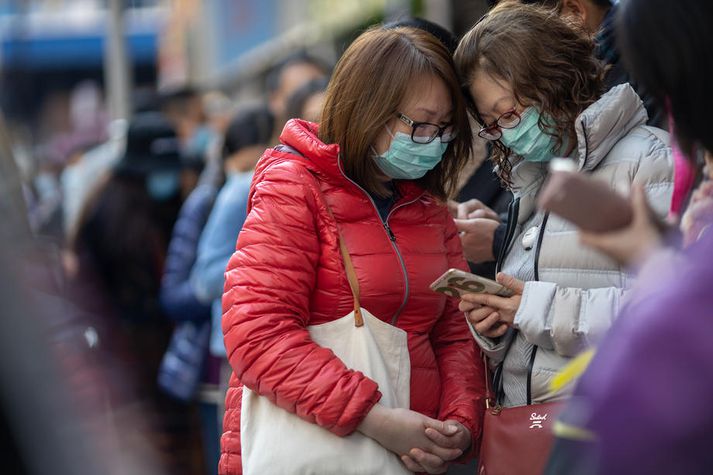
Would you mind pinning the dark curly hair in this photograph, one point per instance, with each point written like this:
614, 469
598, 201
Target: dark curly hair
548, 62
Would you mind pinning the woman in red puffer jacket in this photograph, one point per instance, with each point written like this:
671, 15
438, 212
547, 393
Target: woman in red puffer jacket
393, 137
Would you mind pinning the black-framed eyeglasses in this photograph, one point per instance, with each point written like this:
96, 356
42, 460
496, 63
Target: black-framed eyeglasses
425, 132
508, 120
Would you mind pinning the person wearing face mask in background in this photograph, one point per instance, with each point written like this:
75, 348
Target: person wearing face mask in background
185, 109
377, 170
534, 106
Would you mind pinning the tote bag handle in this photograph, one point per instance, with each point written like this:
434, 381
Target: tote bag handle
346, 258
351, 277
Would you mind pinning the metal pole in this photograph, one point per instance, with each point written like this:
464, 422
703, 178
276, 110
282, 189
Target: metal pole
117, 71
440, 12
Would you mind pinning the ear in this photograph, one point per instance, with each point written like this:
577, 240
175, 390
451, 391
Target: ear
575, 10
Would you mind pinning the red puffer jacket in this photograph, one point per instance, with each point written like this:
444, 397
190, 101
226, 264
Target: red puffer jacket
287, 273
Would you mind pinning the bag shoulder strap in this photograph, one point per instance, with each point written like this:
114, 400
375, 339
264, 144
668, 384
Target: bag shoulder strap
346, 258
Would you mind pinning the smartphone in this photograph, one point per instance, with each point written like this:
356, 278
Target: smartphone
589, 204
455, 282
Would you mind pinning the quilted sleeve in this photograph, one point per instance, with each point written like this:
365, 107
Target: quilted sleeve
177, 298
268, 285
459, 360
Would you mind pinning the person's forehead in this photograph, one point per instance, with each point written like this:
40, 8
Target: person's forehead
427, 92
490, 95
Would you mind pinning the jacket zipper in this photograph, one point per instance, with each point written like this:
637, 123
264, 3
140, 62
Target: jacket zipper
513, 214
539, 245
392, 239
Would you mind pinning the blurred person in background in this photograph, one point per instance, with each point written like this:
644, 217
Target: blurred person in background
246, 137
285, 78
394, 132
86, 169
89, 167
74, 127
185, 373
184, 107
535, 106
307, 101
120, 247
643, 404
56, 379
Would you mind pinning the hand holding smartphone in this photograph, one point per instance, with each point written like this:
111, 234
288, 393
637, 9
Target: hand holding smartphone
589, 204
455, 283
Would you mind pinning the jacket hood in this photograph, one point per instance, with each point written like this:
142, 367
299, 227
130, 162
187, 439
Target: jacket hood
306, 148
322, 159
606, 122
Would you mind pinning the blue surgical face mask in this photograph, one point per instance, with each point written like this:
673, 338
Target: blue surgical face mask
408, 160
199, 142
163, 186
528, 140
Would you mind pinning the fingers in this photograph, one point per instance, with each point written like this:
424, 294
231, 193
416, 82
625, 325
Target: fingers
486, 300
430, 462
484, 214
444, 427
453, 208
479, 314
411, 464
463, 225
496, 332
510, 282
464, 306
640, 205
487, 324
440, 439
467, 207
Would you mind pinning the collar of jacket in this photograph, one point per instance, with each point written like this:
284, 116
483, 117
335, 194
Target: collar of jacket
605, 122
323, 159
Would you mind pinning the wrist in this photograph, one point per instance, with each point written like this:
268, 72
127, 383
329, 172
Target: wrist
372, 424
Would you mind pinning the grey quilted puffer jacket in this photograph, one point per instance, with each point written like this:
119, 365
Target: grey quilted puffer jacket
573, 293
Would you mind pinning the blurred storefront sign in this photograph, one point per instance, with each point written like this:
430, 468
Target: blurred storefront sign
73, 38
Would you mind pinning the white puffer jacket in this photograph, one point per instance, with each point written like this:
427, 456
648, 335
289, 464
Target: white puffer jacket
576, 292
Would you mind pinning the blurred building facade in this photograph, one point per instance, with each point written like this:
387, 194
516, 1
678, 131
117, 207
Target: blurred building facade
230, 44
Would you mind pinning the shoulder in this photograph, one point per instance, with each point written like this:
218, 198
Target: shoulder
200, 198
643, 155
642, 143
282, 169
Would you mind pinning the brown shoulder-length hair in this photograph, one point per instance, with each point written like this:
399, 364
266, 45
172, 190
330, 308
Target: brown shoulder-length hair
548, 62
368, 86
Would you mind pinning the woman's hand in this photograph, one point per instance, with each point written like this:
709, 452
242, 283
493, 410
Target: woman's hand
491, 315
401, 431
472, 209
448, 434
633, 244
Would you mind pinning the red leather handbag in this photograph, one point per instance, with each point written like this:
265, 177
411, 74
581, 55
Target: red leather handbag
516, 440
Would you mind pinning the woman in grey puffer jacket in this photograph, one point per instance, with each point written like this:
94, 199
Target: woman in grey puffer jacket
536, 89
